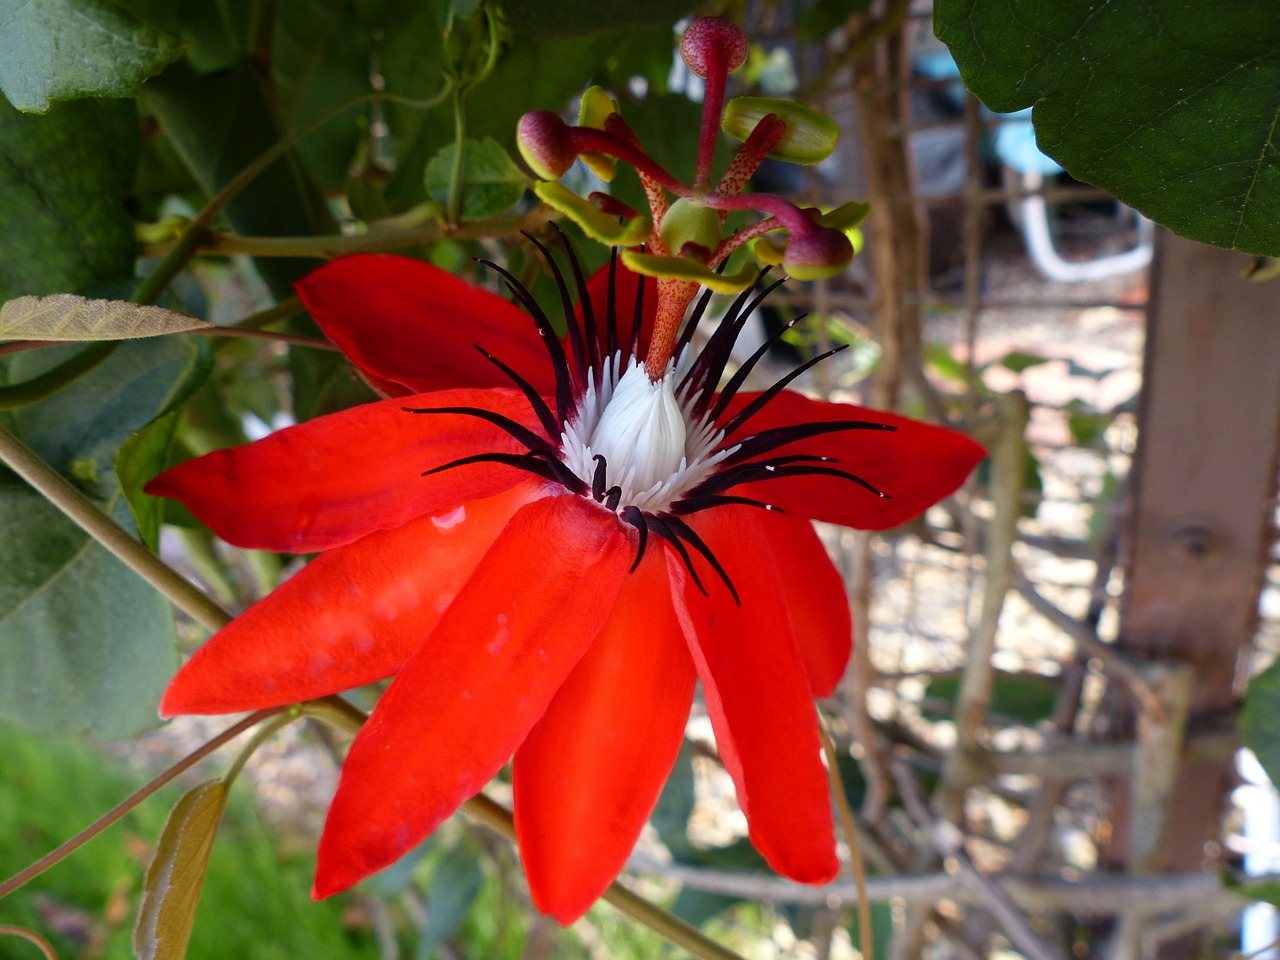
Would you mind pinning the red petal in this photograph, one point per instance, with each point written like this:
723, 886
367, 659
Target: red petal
627, 288
406, 323
337, 478
758, 697
917, 464
813, 592
352, 616
590, 772
461, 705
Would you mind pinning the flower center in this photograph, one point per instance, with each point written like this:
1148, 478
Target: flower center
650, 450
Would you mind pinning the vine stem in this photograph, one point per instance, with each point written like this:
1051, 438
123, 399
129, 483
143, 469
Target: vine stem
107, 819
41, 944
85, 514
377, 241
198, 232
850, 828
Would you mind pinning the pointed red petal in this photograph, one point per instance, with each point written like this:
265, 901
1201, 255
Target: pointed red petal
917, 464
409, 324
590, 772
337, 478
352, 616
758, 697
627, 287
813, 592
462, 704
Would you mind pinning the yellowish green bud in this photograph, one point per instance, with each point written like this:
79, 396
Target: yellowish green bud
810, 136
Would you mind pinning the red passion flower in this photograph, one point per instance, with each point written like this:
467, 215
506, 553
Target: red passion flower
547, 549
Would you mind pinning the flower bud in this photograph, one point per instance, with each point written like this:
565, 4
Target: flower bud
594, 111
689, 222
596, 223
817, 252
810, 136
546, 143
711, 43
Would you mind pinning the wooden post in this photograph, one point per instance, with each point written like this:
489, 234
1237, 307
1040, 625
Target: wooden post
1201, 515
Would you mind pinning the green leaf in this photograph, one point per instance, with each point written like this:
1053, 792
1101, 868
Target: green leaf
821, 17
66, 49
1026, 698
142, 457
1260, 719
221, 123
64, 177
96, 641
881, 929
1017, 361
675, 805
454, 886
64, 316
1172, 107
1266, 891
491, 180
171, 891
531, 19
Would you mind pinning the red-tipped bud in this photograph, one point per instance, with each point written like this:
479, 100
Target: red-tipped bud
817, 252
546, 143
710, 44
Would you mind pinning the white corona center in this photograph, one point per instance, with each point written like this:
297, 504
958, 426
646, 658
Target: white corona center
652, 451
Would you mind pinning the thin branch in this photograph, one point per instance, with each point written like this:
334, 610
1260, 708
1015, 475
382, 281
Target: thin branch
82, 511
377, 240
949, 842
95, 828
1112, 661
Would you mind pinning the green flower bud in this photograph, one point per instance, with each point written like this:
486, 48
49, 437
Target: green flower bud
810, 136
595, 107
594, 222
679, 268
689, 222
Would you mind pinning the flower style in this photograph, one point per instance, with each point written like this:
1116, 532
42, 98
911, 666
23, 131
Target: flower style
546, 549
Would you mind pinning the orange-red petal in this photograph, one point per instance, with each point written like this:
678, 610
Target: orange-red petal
917, 464
337, 478
412, 327
466, 699
813, 592
590, 772
352, 616
758, 697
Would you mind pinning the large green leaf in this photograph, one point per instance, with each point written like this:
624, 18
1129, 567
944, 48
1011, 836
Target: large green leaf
1171, 106
221, 123
64, 177
66, 49
96, 642
90, 645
